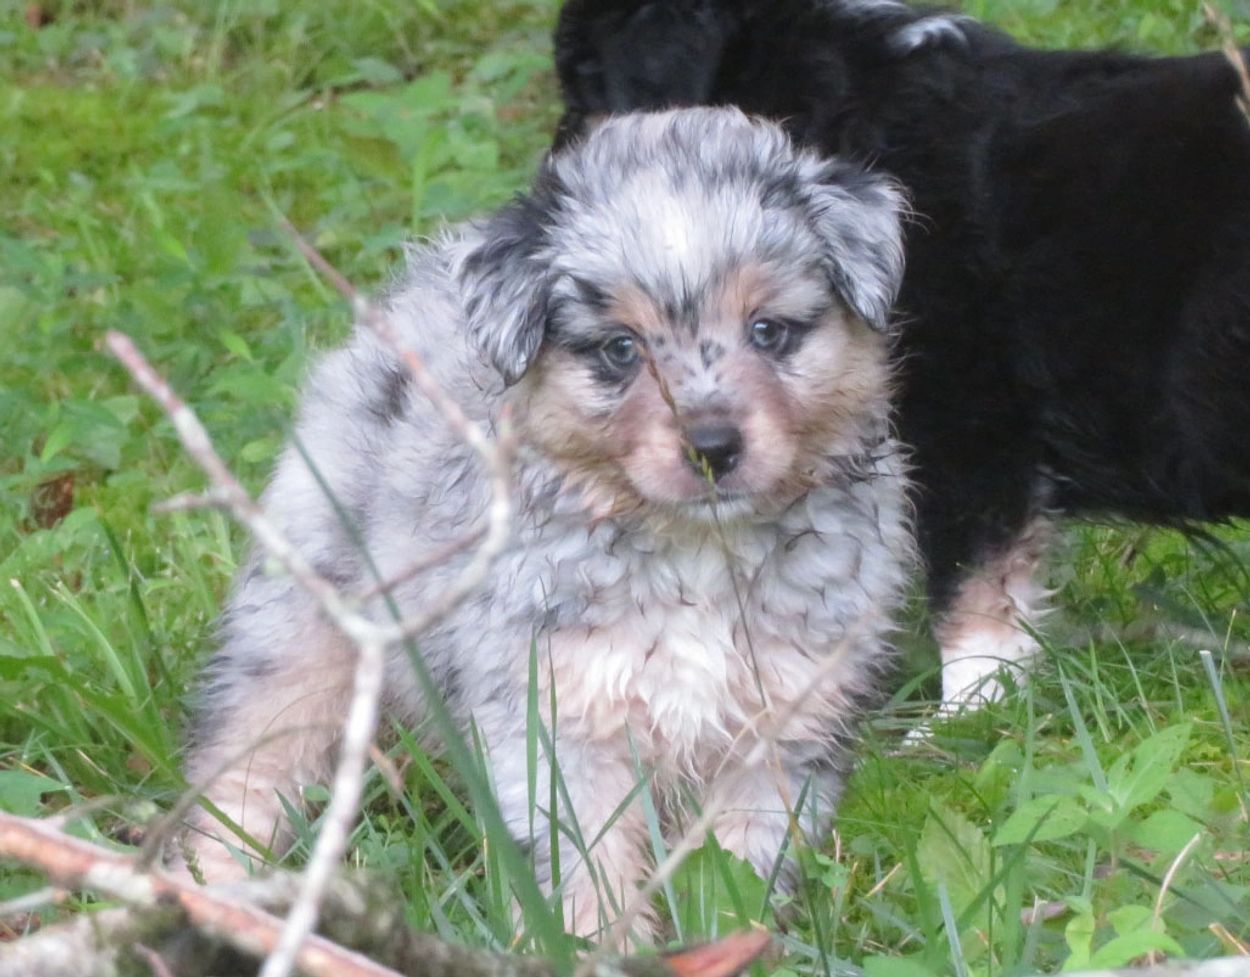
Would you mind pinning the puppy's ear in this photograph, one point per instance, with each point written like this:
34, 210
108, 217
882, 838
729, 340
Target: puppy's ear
506, 285
858, 218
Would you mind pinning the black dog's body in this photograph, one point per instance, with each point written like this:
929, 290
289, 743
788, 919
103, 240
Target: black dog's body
1076, 309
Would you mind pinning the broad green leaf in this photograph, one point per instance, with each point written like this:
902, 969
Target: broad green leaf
999, 773
237, 345
1166, 831
954, 851
1079, 935
895, 967
1152, 763
714, 889
1191, 792
1126, 919
1052, 817
21, 792
1123, 950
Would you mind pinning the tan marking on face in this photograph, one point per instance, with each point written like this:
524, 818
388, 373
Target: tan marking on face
633, 308
838, 379
743, 291
565, 414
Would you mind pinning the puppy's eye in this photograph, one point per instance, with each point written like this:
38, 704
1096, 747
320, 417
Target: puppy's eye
769, 335
620, 353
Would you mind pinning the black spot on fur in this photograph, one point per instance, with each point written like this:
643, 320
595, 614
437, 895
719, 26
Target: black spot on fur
507, 286
682, 311
391, 402
594, 297
710, 351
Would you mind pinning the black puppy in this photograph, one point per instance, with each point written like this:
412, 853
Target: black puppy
1076, 333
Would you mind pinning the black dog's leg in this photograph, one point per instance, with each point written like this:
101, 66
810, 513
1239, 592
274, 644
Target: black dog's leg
987, 623
982, 532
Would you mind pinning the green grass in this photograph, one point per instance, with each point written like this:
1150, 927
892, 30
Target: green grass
147, 154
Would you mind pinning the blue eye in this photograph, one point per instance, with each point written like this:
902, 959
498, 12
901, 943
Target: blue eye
620, 353
769, 335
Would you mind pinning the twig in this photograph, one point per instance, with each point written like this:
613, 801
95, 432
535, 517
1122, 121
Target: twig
496, 455
370, 667
371, 640
69, 861
375, 319
154, 960
362, 719
177, 927
192, 501
440, 555
225, 486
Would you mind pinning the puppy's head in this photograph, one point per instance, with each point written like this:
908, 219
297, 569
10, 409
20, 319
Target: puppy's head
692, 310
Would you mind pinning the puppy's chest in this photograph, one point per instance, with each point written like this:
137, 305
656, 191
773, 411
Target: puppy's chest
666, 646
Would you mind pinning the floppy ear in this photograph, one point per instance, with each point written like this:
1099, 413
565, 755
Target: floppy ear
858, 218
507, 287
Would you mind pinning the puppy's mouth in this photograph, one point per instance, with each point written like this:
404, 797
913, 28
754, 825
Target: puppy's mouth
719, 505
716, 497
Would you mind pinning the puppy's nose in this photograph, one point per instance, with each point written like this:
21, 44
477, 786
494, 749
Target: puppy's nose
720, 445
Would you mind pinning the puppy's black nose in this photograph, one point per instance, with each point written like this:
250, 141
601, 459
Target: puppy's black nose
719, 445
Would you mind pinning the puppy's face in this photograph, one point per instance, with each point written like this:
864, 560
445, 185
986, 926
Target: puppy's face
742, 398
704, 299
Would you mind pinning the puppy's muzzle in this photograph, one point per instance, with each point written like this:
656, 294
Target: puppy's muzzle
718, 446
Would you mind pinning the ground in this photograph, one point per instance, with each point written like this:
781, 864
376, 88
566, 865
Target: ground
148, 151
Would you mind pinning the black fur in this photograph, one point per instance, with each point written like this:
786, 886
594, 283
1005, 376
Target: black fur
506, 284
1076, 307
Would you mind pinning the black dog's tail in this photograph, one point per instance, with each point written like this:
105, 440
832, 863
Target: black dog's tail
629, 55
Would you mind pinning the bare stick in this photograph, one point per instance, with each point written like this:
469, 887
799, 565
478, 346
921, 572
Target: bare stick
363, 714
70, 861
497, 455
439, 556
167, 911
336, 827
375, 319
370, 644
226, 487
191, 502
371, 640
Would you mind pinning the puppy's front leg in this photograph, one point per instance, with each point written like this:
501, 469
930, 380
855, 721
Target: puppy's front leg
594, 779
759, 808
268, 720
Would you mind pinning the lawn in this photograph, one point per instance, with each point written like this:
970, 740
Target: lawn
148, 153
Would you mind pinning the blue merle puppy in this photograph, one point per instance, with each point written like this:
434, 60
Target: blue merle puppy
687, 317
